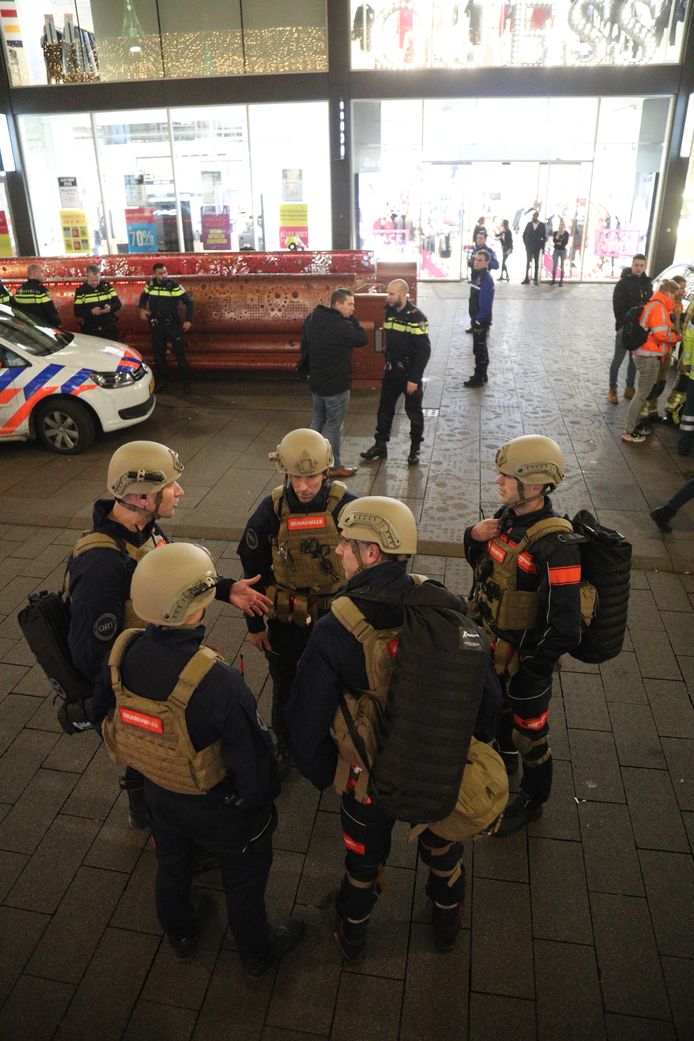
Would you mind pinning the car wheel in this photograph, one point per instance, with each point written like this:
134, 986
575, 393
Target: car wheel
65, 426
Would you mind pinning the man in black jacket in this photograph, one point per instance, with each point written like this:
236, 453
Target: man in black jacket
633, 289
160, 306
408, 350
33, 299
96, 303
330, 336
534, 238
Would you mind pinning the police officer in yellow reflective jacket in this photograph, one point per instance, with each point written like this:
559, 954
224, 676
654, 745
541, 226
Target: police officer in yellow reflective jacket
408, 350
33, 298
160, 305
172, 708
5, 295
527, 596
96, 304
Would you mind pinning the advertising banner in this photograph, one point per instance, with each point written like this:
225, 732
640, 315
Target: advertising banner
216, 230
142, 233
5, 240
75, 231
294, 225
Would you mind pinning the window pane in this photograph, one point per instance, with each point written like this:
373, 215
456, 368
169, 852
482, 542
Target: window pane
63, 183
285, 37
209, 44
493, 33
138, 186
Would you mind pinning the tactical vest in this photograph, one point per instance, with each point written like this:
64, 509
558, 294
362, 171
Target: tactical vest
499, 605
366, 707
152, 736
307, 569
100, 540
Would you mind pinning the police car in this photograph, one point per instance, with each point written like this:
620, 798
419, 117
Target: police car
63, 388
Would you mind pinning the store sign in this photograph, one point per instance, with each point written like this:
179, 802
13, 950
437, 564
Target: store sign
69, 193
75, 231
142, 233
294, 225
5, 240
216, 230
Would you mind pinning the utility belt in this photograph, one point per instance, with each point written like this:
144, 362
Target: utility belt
165, 321
297, 608
505, 657
396, 366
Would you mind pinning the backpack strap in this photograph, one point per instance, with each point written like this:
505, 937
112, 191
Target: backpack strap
540, 529
115, 658
97, 540
192, 676
338, 490
349, 615
278, 500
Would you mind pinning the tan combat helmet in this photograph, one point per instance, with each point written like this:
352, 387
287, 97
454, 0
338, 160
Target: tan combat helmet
304, 453
172, 582
141, 467
380, 519
532, 459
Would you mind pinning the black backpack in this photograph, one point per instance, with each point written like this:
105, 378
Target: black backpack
633, 333
606, 564
440, 672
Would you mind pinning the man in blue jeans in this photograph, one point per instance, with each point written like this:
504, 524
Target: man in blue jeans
330, 336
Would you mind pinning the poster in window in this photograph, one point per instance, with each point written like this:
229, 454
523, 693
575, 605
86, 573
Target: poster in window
75, 231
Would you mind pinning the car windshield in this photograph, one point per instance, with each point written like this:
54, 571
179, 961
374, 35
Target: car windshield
21, 331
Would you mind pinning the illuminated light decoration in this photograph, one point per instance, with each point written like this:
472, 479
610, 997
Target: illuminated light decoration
132, 29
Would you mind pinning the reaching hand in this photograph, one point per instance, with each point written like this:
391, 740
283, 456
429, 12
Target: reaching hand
247, 599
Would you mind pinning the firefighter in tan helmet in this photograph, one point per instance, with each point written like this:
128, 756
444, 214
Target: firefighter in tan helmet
143, 489
526, 595
176, 711
291, 542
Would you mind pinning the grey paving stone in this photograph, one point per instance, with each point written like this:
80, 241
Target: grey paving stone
643, 613
628, 962
324, 864
639, 580
21, 931
558, 892
18, 653
306, 984
45, 718
502, 960
505, 860
274, 1034
11, 866
669, 879
34, 1009
21, 761
680, 761
609, 852
559, 819
297, 811
568, 995
77, 926
283, 883
669, 593
15, 711
153, 1022
33, 682
135, 908
595, 766
558, 737
27, 822
73, 755
97, 789
435, 982
655, 816
367, 1007
686, 664
678, 978
671, 707
110, 987
492, 1016
635, 736
235, 1007
655, 657
50, 870
628, 1028
173, 983
584, 702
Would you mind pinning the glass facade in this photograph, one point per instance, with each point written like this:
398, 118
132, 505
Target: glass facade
428, 171
446, 34
89, 41
192, 179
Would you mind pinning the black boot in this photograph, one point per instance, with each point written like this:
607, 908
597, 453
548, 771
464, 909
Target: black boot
413, 457
378, 450
138, 815
351, 939
446, 922
662, 517
523, 810
475, 381
283, 939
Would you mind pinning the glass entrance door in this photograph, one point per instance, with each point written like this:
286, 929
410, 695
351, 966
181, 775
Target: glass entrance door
440, 221
562, 190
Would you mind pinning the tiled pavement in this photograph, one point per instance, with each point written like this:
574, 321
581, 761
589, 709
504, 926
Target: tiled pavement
581, 930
